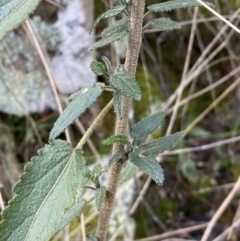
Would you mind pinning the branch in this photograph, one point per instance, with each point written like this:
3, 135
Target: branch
134, 45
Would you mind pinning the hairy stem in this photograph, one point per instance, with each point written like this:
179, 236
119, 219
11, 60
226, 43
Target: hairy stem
134, 45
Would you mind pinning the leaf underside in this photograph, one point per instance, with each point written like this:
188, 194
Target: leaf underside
127, 172
146, 126
74, 211
118, 26
164, 24
112, 33
100, 195
110, 13
149, 165
46, 189
175, 4
119, 103
116, 157
14, 12
125, 83
160, 145
81, 101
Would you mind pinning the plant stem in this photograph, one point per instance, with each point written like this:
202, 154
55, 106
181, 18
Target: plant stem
94, 124
134, 45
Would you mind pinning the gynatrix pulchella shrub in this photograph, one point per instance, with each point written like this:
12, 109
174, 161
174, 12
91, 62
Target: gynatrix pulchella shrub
50, 193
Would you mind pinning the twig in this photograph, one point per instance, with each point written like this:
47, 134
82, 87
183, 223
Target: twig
48, 70
220, 210
174, 233
219, 16
135, 41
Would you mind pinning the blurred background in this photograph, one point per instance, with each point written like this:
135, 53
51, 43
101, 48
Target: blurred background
192, 74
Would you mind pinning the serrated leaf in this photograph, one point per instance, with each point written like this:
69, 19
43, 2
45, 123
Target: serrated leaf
74, 211
97, 171
109, 39
107, 64
118, 26
127, 172
110, 13
80, 102
119, 103
146, 126
100, 195
97, 67
119, 139
164, 24
116, 156
160, 145
125, 83
14, 12
91, 237
149, 165
47, 188
175, 4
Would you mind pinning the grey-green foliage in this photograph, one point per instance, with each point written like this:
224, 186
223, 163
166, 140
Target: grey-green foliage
149, 165
45, 191
14, 12
110, 13
118, 26
116, 156
174, 5
113, 33
97, 67
74, 211
119, 103
127, 172
81, 101
119, 139
146, 126
96, 172
100, 195
164, 24
125, 83
160, 145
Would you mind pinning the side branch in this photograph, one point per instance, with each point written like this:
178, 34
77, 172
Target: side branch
134, 45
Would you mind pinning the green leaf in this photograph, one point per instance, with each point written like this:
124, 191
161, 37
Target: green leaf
118, 26
107, 64
125, 83
109, 39
119, 139
74, 211
110, 13
14, 12
127, 172
149, 165
174, 5
91, 237
116, 157
97, 171
160, 145
100, 195
97, 67
47, 188
119, 103
80, 102
143, 128
164, 24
